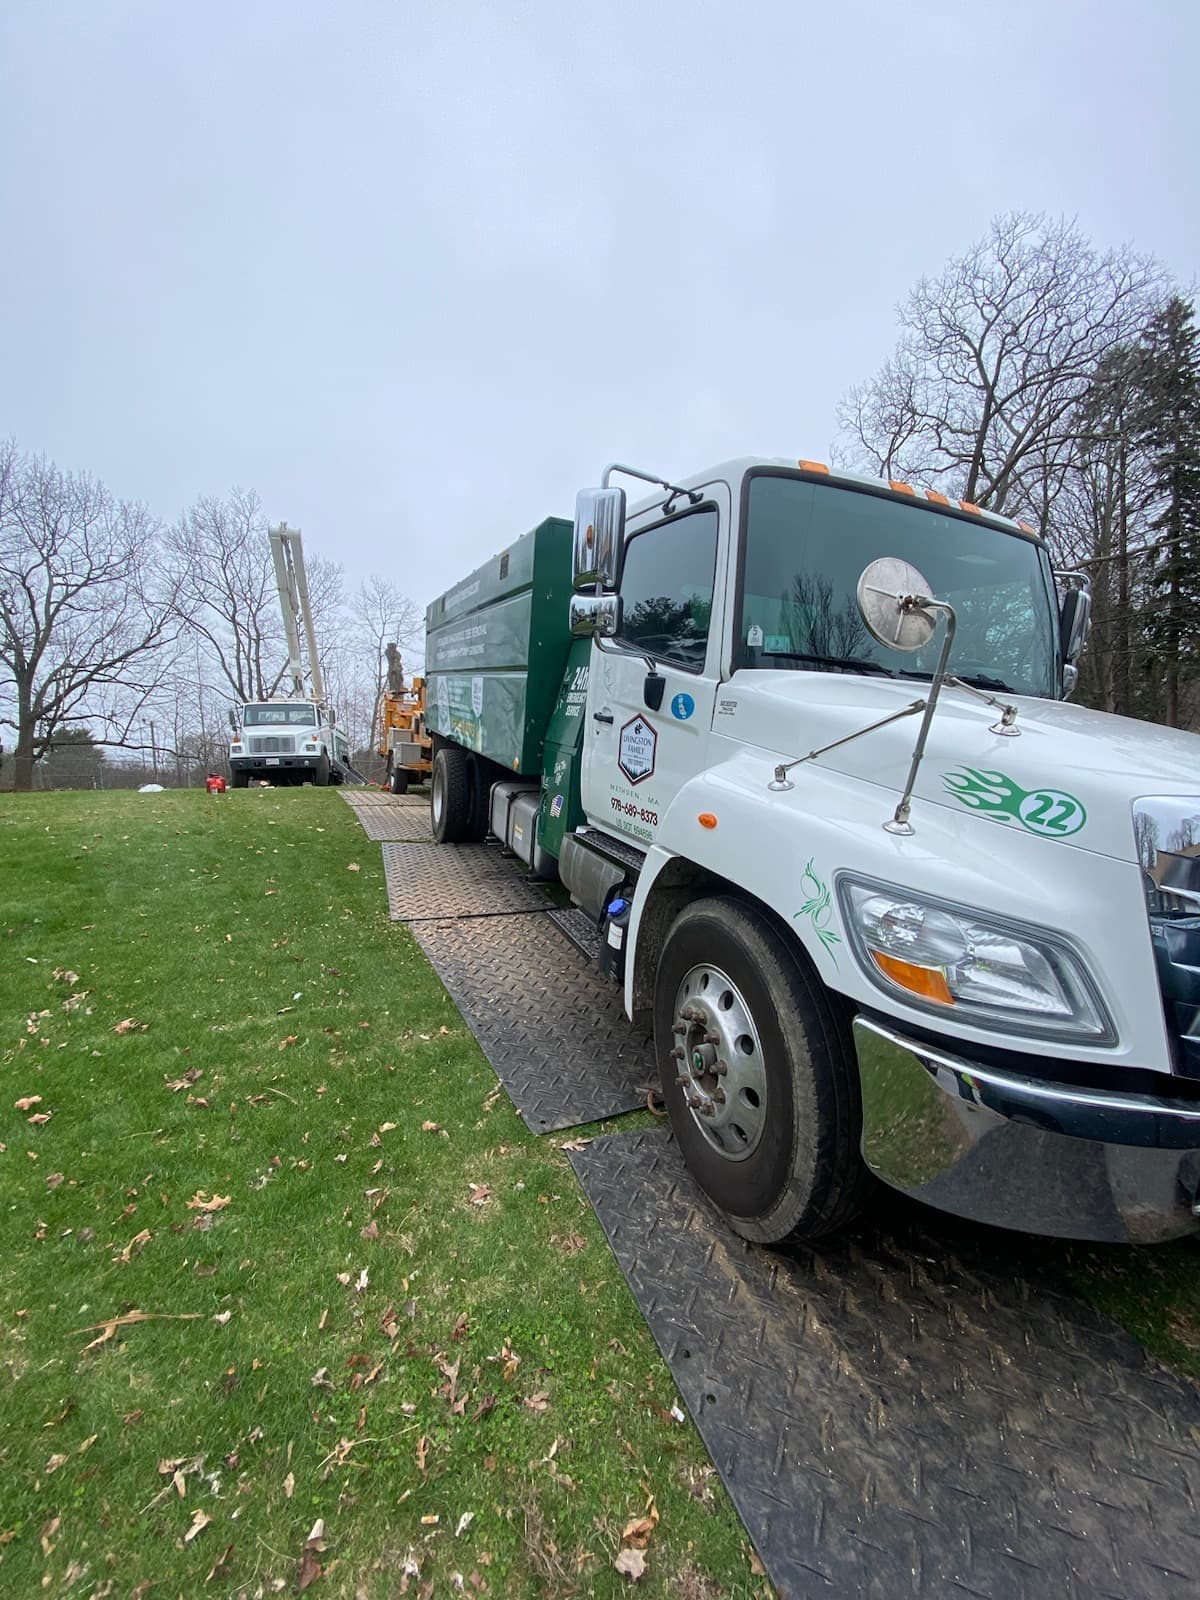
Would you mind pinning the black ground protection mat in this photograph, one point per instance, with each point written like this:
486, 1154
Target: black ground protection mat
456, 880
408, 824
552, 1028
906, 1412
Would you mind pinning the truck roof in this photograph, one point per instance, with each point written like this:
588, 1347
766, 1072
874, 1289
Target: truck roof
894, 488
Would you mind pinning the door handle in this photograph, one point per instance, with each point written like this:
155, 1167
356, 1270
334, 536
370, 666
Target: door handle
602, 716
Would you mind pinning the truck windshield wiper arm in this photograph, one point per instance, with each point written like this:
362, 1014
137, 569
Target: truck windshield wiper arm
977, 680
851, 663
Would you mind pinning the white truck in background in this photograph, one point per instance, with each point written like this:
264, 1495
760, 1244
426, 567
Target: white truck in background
295, 739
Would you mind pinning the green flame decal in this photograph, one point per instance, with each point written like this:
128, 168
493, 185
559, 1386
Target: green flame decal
818, 908
1049, 812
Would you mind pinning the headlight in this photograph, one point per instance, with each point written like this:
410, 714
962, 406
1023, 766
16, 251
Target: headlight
987, 971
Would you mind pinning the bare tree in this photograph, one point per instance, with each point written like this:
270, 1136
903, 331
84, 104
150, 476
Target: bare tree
227, 590
383, 615
982, 395
87, 609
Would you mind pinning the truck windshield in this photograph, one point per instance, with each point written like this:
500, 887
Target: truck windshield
298, 716
806, 545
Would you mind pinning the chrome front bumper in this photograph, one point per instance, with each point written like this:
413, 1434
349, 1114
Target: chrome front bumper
1046, 1158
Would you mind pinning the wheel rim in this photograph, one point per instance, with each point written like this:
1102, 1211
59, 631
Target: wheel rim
722, 1074
439, 798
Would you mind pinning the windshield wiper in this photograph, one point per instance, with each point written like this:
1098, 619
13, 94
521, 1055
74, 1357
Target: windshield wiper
978, 680
850, 663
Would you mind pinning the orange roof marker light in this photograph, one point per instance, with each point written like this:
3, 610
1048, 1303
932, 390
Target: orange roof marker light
1025, 528
706, 819
967, 506
812, 466
937, 498
901, 488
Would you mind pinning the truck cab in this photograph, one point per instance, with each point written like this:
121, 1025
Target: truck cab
286, 742
895, 910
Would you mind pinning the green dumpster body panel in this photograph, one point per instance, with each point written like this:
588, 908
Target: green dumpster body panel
561, 808
496, 646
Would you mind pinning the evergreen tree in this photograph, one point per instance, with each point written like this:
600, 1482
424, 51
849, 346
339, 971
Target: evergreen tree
1171, 432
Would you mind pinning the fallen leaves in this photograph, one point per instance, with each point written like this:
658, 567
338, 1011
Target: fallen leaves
129, 1024
56, 1460
108, 1329
39, 1119
353, 866
630, 1564
481, 1193
27, 1102
134, 1248
202, 1202
193, 1075
200, 1521
310, 1567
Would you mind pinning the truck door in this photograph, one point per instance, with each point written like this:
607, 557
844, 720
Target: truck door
637, 756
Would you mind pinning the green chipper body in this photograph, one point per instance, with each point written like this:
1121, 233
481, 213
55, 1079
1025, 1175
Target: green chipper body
497, 649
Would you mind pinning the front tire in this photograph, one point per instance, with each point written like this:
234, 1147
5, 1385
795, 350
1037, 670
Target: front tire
321, 771
450, 800
768, 1113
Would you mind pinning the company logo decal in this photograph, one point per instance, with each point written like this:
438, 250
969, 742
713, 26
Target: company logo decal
638, 749
1050, 812
818, 908
682, 707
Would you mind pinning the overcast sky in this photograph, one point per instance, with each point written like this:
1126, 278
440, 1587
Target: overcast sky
415, 272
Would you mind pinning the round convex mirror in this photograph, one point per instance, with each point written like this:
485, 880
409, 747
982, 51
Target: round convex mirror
883, 590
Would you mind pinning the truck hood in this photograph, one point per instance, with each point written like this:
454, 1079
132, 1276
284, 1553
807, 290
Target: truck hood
1070, 776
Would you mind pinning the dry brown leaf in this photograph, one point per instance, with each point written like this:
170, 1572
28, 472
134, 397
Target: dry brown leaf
289, 1485
109, 1328
461, 1327
481, 1193
220, 1567
630, 1564
387, 1127
193, 1075
431, 1127
756, 1566
352, 866
49, 1529
53, 1179
222, 1317
538, 1403
371, 1231
57, 1460
27, 1101
200, 1521
135, 1247
39, 1118
202, 1202
422, 1452
488, 1403
128, 1024
292, 1038
87, 1444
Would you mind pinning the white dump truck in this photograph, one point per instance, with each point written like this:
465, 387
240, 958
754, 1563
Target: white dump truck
797, 742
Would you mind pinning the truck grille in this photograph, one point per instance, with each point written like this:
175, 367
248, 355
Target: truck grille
271, 745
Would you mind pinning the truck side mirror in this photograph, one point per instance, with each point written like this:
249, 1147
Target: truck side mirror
1075, 618
233, 721
599, 530
595, 615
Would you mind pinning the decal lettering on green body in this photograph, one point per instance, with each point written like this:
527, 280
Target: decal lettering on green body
1050, 812
818, 908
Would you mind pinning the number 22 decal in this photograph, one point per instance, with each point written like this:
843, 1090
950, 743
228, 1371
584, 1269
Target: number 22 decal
1050, 812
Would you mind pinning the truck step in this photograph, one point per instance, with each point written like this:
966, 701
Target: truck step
579, 929
618, 850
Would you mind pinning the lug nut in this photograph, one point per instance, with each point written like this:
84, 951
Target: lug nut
718, 1095
678, 1053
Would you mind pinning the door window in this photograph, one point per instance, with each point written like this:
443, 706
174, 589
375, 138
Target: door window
667, 588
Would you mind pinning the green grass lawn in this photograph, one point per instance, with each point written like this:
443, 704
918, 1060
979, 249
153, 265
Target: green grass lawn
236, 1099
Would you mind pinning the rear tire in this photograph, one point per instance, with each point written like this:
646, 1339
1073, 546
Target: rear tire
450, 801
773, 1139
398, 782
239, 780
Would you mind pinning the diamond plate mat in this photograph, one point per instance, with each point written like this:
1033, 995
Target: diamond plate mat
906, 1413
368, 799
408, 824
553, 1030
461, 880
